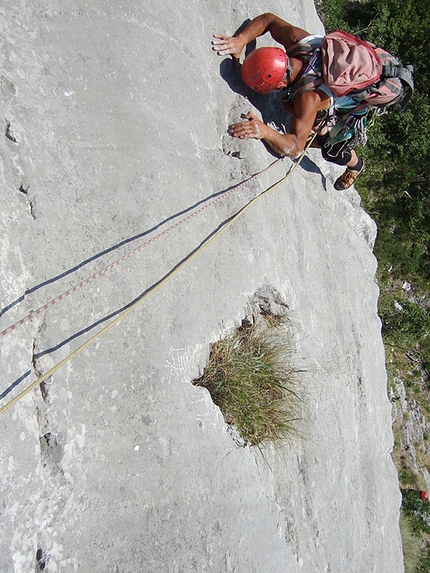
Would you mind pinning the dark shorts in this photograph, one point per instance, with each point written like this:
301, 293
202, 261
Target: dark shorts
339, 153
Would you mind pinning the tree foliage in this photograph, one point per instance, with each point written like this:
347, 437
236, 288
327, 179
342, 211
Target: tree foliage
417, 510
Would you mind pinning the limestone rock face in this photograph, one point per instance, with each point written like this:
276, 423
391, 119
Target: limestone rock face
116, 166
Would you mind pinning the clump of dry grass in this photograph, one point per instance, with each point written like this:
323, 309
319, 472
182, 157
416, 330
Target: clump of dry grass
251, 379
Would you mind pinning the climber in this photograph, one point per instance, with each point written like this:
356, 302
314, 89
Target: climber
285, 71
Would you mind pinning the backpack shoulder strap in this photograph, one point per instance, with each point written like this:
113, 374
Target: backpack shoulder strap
305, 84
301, 50
311, 78
404, 73
392, 67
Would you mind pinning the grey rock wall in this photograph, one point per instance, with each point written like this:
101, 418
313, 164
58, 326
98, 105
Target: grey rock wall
115, 119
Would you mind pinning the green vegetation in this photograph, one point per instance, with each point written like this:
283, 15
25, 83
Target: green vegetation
417, 511
250, 378
411, 549
396, 192
406, 327
415, 528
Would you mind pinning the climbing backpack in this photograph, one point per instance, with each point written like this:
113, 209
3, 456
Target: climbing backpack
348, 65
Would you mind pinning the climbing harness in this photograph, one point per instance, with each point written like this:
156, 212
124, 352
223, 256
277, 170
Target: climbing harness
160, 283
349, 128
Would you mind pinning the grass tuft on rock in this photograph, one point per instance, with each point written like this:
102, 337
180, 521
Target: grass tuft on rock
251, 379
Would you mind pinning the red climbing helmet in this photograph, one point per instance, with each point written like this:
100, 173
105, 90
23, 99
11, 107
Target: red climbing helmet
264, 68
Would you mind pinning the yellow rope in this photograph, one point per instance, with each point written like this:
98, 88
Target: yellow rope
161, 283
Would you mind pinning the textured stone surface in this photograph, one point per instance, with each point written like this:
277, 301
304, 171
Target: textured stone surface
115, 119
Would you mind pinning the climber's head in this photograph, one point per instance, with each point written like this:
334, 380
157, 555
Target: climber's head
264, 69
